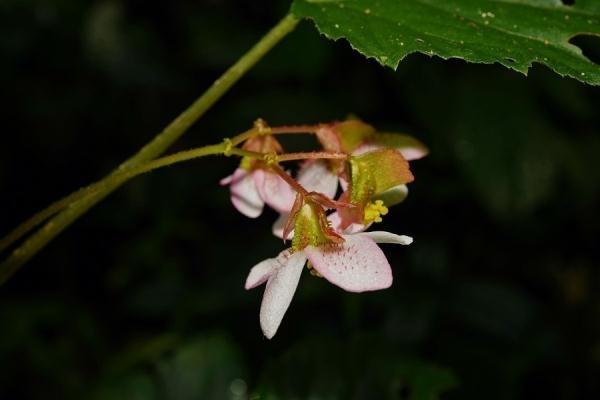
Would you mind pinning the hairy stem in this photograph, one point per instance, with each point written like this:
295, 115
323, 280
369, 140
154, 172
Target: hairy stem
150, 151
180, 124
312, 156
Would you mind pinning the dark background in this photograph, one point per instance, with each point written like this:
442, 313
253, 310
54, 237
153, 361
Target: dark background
143, 298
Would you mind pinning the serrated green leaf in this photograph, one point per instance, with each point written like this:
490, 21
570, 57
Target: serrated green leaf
514, 33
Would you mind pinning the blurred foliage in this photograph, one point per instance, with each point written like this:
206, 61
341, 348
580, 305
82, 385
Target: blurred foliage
498, 297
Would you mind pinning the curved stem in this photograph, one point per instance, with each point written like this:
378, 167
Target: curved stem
151, 150
180, 124
38, 218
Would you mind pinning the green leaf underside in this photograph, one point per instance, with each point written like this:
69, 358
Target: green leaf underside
514, 33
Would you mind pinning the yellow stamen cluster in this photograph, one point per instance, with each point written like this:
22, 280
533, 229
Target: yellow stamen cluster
374, 211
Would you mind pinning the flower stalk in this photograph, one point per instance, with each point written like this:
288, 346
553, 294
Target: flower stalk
93, 193
68, 209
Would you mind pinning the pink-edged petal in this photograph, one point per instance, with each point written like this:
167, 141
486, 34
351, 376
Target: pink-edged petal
274, 190
244, 196
279, 226
367, 148
387, 237
279, 292
336, 221
226, 181
262, 271
316, 176
412, 153
408, 152
357, 265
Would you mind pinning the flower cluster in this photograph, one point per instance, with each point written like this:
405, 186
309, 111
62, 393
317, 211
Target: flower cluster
370, 170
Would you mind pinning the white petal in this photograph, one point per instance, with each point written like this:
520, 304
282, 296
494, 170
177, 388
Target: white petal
279, 292
261, 272
244, 196
357, 265
316, 176
274, 190
387, 237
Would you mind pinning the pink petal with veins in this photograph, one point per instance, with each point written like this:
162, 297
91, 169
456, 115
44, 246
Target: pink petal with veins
357, 265
244, 196
274, 190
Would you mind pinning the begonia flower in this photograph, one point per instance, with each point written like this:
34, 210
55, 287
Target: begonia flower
314, 176
252, 185
251, 190
356, 265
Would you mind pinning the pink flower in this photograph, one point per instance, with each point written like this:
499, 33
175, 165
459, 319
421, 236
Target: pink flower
356, 265
314, 176
250, 190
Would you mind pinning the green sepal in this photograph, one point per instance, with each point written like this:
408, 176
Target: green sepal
375, 172
362, 182
312, 229
353, 133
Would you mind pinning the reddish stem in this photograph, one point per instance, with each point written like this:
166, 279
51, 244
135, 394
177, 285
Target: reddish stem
314, 155
290, 181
